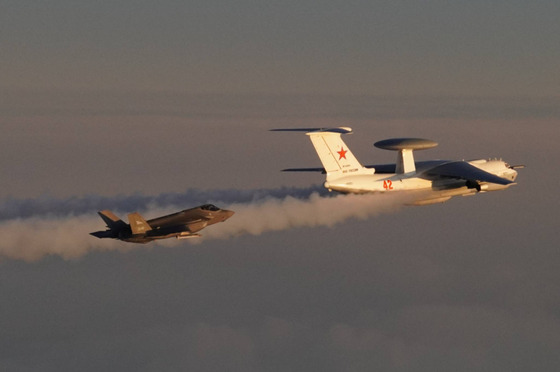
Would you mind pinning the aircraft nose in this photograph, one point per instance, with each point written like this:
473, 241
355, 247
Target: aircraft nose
227, 214
511, 175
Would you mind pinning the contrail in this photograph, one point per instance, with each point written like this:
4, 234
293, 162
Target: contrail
44, 206
289, 212
34, 228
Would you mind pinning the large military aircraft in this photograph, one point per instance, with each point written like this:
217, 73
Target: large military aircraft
435, 181
181, 225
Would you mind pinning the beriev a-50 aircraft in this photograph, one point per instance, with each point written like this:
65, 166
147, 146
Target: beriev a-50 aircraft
181, 225
435, 180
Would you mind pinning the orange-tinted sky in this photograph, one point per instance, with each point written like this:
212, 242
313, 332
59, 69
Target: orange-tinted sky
105, 104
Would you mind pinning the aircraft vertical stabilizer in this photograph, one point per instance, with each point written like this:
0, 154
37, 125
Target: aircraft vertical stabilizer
138, 224
336, 157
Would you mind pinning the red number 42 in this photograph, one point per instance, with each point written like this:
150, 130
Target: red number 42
388, 185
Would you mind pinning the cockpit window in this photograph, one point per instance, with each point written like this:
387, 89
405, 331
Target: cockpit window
209, 207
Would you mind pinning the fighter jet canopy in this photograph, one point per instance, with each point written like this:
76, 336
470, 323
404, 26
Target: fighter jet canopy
209, 207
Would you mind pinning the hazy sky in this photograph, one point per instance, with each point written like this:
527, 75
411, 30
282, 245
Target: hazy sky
160, 107
404, 47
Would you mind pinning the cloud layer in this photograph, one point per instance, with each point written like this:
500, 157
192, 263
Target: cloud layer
35, 228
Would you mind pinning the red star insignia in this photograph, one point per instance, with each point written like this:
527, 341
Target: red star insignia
342, 153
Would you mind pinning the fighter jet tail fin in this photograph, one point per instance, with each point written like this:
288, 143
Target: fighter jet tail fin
112, 221
138, 224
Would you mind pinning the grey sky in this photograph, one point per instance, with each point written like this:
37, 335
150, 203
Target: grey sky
429, 47
121, 103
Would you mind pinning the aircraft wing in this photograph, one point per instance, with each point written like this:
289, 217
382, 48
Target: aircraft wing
198, 225
379, 168
463, 170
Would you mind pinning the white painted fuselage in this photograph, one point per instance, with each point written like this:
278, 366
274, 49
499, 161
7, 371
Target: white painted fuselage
366, 180
432, 181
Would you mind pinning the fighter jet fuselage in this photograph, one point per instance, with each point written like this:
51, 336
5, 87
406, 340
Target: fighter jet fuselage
181, 225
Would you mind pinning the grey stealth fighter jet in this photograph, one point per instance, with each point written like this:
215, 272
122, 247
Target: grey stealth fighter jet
181, 225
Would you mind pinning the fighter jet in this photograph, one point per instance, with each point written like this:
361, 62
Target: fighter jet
435, 181
181, 225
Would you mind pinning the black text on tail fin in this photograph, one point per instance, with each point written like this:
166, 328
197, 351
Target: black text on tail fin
336, 157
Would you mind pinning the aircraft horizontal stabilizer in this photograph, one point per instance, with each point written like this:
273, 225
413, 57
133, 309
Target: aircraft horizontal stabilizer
103, 234
112, 221
295, 129
379, 168
341, 130
319, 170
466, 171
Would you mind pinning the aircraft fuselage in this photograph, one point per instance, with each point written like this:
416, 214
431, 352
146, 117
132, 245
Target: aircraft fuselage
181, 225
421, 180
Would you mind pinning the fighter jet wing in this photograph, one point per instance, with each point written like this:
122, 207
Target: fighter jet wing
466, 171
194, 226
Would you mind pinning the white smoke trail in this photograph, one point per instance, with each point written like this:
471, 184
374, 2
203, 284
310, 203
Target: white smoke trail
287, 213
32, 238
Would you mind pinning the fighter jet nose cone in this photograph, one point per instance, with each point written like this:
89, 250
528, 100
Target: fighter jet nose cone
228, 214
